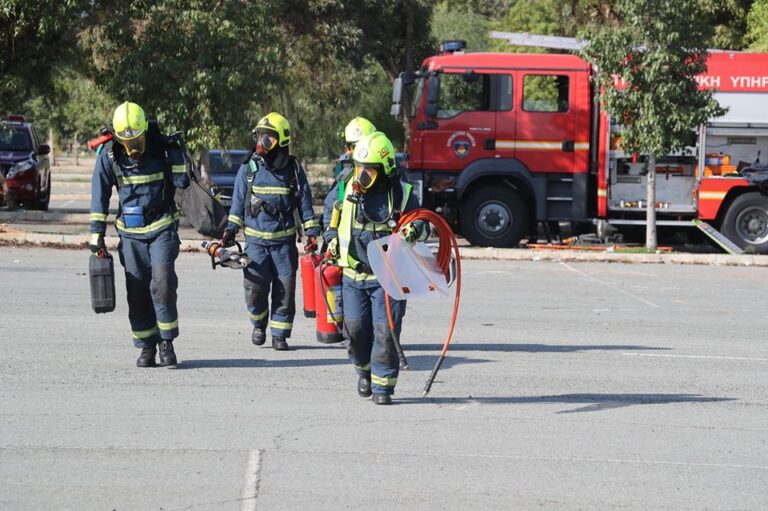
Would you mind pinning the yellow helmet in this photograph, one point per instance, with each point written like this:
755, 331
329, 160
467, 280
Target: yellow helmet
374, 154
129, 121
357, 129
277, 124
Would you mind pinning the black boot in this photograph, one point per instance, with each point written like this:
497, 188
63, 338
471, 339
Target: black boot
258, 336
279, 343
167, 355
147, 357
382, 399
364, 386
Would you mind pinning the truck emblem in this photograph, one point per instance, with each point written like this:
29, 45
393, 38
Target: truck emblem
461, 148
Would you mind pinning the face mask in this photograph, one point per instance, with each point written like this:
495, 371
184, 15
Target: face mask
265, 142
134, 147
366, 177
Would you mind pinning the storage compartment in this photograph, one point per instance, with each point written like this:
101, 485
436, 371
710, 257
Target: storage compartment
729, 149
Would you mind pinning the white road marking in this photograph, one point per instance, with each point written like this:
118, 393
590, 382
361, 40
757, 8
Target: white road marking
251, 483
609, 285
694, 356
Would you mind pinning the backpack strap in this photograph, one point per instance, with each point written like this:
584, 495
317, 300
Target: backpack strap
117, 172
253, 168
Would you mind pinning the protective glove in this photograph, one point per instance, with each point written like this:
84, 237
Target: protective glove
333, 248
311, 244
410, 233
228, 239
97, 242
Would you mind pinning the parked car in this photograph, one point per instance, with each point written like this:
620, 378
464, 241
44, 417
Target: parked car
24, 164
223, 169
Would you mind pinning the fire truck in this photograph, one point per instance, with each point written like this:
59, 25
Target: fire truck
503, 142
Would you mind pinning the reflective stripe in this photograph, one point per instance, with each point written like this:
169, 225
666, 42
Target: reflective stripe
235, 220
383, 381
258, 317
96, 237
276, 235
168, 326
311, 223
154, 226
712, 195
179, 169
98, 217
274, 190
143, 334
281, 325
366, 367
372, 227
144, 179
352, 274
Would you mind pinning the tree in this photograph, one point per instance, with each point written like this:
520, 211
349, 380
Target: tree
757, 23
35, 37
197, 66
656, 49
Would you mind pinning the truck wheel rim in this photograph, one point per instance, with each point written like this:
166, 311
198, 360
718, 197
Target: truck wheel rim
752, 225
493, 219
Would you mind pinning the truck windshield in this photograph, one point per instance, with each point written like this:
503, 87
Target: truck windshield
14, 139
414, 106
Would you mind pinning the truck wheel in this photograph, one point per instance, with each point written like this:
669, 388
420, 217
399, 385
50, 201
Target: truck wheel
746, 222
494, 217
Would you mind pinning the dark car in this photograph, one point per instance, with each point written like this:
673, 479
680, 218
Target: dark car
24, 164
223, 169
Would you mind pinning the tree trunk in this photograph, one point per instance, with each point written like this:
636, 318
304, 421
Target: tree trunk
76, 147
205, 165
650, 232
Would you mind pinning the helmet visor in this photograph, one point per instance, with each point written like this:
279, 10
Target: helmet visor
366, 176
135, 146
265, 141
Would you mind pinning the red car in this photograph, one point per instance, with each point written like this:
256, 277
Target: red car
24, 165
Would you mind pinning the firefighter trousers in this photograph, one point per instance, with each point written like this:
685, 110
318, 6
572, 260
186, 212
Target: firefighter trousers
151, 282
371, 346
273, 267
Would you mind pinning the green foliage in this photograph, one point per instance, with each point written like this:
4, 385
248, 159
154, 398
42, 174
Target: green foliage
757, 21
461, 22
35, 37
657, 50
195, 65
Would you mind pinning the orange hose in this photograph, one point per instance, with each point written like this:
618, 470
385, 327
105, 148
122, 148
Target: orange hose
448, 246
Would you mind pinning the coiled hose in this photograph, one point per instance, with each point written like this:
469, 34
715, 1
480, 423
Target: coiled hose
447, 252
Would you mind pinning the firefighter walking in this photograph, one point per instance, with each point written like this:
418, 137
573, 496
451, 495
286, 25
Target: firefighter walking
269, 188
147, 168
371, 199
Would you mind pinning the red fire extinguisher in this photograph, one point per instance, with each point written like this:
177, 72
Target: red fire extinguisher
328, 304
308, 263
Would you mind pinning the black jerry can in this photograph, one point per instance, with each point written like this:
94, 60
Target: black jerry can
101, 271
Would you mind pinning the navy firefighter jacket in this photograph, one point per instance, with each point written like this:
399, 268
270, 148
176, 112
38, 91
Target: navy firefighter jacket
267, 216
145, 188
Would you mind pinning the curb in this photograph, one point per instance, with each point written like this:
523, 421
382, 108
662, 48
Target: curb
80, 241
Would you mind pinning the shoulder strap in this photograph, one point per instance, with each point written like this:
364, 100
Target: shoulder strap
117, 172
249, 177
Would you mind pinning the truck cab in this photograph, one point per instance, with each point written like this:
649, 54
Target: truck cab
499, 141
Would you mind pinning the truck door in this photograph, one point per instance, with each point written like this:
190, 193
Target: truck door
463, 126
545, 135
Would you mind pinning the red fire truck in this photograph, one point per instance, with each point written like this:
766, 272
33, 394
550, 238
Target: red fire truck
500, 142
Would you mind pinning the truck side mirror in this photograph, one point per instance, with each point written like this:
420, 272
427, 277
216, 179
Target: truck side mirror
433, 93
397, 97
43, 149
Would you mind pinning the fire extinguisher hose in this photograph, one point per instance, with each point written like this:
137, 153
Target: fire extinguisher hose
447, 251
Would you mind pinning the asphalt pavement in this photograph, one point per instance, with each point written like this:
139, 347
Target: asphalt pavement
568, 386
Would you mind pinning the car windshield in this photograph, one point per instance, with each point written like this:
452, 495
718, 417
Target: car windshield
226, 162
14, 139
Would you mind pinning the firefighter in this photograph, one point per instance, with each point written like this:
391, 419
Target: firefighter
269, 188
373, 197
147, 168
354, 131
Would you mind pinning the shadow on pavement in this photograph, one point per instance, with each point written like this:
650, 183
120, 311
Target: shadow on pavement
526, 348
594, 402
417, 363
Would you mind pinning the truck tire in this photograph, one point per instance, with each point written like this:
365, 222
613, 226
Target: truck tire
746, 222
494, 217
